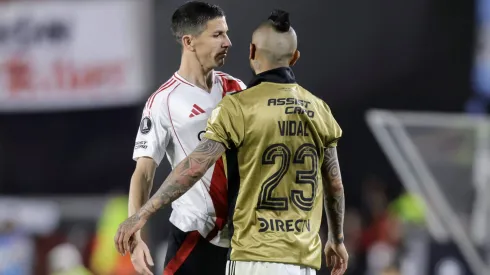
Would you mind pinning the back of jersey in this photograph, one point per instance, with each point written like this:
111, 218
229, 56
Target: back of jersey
276, 137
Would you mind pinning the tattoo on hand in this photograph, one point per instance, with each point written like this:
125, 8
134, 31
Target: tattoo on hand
334, 195
184, 176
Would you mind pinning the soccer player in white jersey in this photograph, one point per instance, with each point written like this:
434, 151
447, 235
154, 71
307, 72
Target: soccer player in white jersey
173, 121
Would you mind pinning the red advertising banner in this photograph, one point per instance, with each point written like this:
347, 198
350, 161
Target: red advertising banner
73, 54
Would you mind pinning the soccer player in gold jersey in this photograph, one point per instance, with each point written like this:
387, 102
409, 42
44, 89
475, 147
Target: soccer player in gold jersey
281, 160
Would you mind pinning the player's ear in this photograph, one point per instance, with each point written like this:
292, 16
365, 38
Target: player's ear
253, 49
188, 43
294, 58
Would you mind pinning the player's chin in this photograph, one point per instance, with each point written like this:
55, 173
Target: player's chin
220, 61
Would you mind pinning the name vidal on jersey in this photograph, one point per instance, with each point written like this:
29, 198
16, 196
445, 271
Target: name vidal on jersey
293, 128
283, 226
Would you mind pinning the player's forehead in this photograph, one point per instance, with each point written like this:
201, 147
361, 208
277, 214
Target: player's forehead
217, 24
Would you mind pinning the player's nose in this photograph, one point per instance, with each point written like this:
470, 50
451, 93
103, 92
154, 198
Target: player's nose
227, 42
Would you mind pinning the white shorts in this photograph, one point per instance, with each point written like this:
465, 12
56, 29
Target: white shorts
266, 268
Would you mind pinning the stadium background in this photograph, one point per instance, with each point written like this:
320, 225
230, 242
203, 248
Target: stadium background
63, 163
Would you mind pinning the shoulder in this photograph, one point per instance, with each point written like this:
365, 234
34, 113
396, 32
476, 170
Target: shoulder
160, 97
246, 92
320, 103
229, 82
230, 102
226, 76
228, 107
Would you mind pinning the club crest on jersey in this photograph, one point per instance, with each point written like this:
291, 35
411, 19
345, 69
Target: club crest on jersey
145, 125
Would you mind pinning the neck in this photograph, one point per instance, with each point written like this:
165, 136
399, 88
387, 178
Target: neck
266, 66
194, 72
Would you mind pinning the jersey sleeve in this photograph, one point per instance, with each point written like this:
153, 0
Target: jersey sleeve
333, 130
241, 84
231, 84
153, 134
226, 123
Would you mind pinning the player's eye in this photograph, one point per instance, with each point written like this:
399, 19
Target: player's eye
218, 34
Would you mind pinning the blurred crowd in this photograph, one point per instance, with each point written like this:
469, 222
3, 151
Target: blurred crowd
374, 235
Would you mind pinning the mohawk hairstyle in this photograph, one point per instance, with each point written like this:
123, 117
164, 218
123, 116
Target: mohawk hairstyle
192, 17
280, 20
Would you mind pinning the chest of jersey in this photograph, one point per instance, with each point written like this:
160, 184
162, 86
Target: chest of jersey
189, 110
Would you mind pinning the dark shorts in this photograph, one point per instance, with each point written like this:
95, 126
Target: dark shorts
188, 253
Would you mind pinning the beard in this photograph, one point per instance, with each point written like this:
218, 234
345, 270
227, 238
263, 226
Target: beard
220, 62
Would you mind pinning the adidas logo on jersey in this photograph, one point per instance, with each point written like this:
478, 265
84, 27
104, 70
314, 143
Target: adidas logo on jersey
196, 110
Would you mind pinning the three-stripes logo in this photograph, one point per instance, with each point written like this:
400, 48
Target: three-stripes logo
196, 110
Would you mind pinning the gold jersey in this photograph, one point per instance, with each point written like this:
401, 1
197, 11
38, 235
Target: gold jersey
275, 133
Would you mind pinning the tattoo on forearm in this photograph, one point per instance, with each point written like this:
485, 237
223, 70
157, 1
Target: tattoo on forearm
184, 176
334, 195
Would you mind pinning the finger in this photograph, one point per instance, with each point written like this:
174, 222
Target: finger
338, 262
345, 258
120, 242
126, 239
116, 240
335, 271
132, 245
344, 268
149, 260
137, 259
147, 271
138, 268
329, 253
328, 258
338, 270
138, 263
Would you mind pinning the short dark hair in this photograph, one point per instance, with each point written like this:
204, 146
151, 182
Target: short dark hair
192, 17
279, 20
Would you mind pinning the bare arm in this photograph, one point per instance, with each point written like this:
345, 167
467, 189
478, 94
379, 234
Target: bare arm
334, 196
141, 184
184, 176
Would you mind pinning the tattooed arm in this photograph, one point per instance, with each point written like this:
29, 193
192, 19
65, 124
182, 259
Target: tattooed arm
184, 176
181, 179
334, 196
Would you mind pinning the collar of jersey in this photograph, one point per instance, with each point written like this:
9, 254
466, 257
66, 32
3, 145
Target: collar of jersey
283, 75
